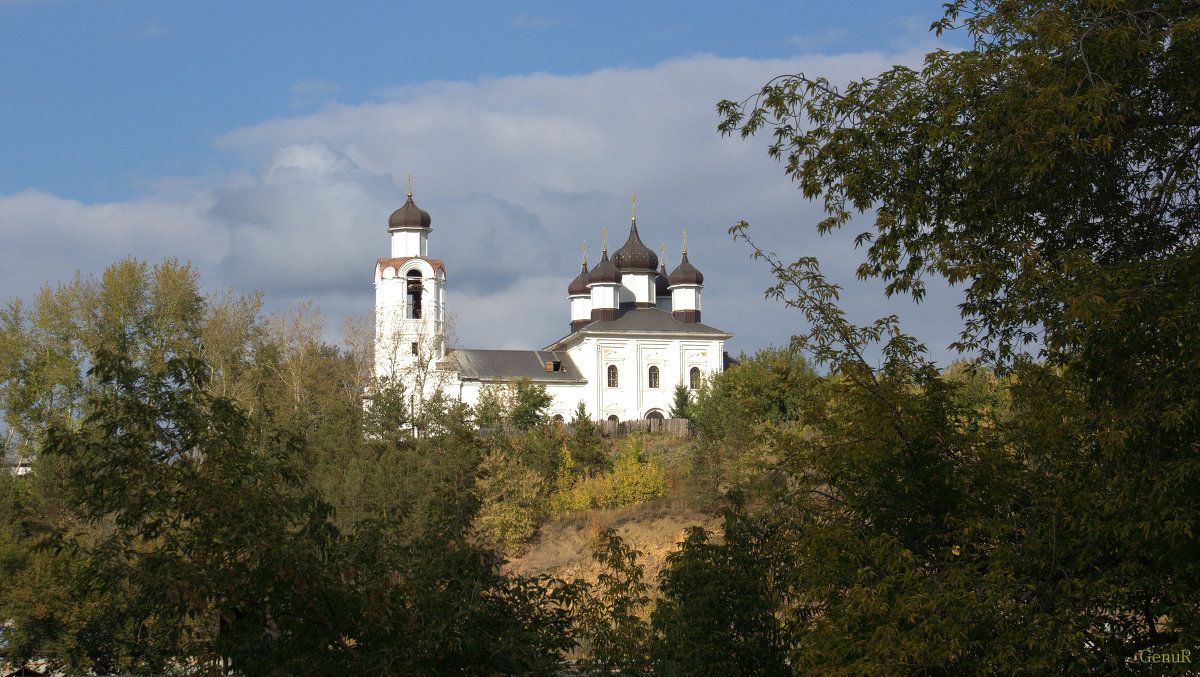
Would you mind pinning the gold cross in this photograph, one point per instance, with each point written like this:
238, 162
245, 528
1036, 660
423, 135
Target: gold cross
604, 242
685, 242
585, 252
410, 184
633, 203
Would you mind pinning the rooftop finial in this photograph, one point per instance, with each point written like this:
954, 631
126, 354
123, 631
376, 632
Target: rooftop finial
585, 252
410, 184
662, 253
633, 206
604, 242
685, 242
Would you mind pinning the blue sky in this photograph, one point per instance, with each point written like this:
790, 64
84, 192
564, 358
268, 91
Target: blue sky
268, 141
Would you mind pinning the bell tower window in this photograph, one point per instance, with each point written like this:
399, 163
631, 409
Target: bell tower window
415, 287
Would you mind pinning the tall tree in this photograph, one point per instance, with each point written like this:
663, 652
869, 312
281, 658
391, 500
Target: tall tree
1052, 170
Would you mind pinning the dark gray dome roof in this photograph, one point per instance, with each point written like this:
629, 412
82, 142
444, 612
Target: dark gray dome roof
633, 256
685, 273
580, 284
409, 216
660, 281
604, 271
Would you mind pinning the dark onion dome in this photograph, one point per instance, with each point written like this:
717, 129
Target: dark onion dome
660, 281
409, 216
633, 256
604, 271
579, 285
685, 273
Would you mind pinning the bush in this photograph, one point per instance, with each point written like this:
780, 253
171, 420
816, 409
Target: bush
633, 479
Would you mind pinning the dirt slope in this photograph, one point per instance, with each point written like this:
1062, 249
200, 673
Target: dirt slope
562, 547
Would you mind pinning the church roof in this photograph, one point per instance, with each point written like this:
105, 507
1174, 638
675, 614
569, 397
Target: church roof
579, 286
661, 286
633, 256
604, 272
685, 273
409, 215
537, 365
643, 321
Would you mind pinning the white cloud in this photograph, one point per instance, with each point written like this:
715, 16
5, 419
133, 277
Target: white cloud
515, 172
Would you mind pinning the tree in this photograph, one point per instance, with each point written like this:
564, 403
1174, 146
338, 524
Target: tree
613, 615
587, 441
1051, 169
1066, 141
519, 402
151, 312
530, 402
722, 601
681, 401
166, 527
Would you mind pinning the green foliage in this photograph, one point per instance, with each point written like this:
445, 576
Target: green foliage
152, 313
612, 617
768, 388
952, 522
681, 402
722, 602
492, 406
167, 525
530, 402
520, 403
633, 479
587, 441
510, 493
1064, 140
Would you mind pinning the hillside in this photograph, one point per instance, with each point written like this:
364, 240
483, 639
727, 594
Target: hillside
563, 547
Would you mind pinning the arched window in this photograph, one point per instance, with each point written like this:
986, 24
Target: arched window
653, 377
613, 419
655, 415
694, 378
558, 418
612, 376
415, 287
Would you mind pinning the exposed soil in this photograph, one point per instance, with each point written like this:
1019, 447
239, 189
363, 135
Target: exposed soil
563, 547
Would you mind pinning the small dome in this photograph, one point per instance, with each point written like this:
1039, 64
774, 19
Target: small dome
604, 271
660, 281
579, 285
409, 216
685, 273
633, 256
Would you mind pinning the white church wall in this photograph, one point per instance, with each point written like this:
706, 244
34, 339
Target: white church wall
409, 243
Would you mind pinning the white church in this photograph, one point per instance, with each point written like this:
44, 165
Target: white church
635, 331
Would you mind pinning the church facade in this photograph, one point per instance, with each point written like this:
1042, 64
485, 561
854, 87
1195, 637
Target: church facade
635, 331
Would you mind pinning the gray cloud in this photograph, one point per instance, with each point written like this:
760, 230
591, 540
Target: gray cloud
515, 172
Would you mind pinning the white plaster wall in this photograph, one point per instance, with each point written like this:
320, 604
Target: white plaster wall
394, 331
581, 307
632, 398
639, 287
407, 242
604, 295
685, 297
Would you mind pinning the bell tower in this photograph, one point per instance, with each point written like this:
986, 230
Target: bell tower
410, 300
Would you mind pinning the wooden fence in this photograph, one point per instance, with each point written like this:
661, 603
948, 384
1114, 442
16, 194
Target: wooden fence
675, 427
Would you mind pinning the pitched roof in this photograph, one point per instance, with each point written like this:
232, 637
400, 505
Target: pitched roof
644, 321
488, 365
